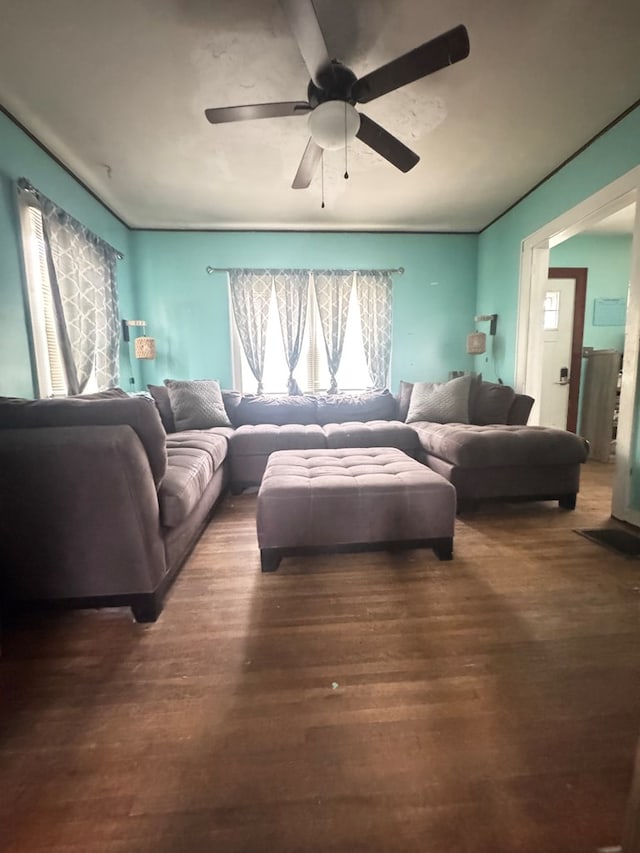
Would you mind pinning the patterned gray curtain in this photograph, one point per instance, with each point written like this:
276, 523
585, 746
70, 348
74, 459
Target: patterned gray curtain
292, 296
373, 289
250, 300
333, 290
82, 274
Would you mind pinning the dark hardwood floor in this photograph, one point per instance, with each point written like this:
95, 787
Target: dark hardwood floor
362, 702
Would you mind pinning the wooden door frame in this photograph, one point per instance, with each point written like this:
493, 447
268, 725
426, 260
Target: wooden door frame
579, 276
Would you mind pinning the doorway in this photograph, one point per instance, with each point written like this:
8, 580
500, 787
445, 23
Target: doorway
535, 263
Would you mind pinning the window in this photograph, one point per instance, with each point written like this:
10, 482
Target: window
551, 310
312, 372
71, 298
48, 358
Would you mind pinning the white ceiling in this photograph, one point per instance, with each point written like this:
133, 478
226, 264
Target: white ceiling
117, 90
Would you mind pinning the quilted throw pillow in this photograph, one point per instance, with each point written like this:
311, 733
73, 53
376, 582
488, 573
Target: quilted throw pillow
197, 404
441, 402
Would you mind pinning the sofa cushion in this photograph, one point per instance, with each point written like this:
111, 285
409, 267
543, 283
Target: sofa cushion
107, 394
281, 410
373, 434
262, 439
139, 413
225, 432
193, 458
232, 400
473, 446
441, 402
197, 403
489, 403
370, 406
213, 442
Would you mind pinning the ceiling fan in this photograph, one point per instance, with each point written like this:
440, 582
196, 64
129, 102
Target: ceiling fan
334, 89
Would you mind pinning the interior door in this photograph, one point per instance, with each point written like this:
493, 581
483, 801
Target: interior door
556, 357
560, 394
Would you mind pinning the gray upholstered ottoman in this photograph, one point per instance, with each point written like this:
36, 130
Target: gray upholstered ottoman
351, 499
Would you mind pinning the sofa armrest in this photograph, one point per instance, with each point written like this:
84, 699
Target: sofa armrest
139, 413
79, 513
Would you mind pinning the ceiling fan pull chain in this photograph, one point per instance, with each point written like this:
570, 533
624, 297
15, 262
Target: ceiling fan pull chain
322, 177
346, 171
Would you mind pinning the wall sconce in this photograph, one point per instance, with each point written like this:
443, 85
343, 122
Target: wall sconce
477, 341
144, 347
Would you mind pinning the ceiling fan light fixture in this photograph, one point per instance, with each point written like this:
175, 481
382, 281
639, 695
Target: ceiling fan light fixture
333, 124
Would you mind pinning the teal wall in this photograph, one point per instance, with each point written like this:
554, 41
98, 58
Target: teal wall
609, 157
188, 312
608, 261
20, 157
163, 280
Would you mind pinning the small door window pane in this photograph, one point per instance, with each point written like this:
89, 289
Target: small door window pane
551, 310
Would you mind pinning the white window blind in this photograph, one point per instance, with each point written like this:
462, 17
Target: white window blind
49, 365
50, 371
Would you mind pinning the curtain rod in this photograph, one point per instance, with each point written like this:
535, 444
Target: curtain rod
26, 185
397, 270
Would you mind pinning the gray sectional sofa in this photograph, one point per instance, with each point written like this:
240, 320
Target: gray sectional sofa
98, 506
495, 455
102, 499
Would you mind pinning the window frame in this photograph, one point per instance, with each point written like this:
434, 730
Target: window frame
551, 314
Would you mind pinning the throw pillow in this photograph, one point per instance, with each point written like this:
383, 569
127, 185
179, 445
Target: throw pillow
404, 398
231, 400
520, 409
441, 402
197, 404
490, 403
160, 394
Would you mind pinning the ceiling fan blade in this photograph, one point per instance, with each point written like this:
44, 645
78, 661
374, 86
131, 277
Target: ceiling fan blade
303, 21
308, 165
386, 145
431, 56
219, 115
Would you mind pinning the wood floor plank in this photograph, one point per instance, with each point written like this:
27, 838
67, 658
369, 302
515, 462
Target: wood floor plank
354, 702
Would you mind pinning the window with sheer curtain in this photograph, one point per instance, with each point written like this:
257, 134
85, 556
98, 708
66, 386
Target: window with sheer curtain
312, 373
